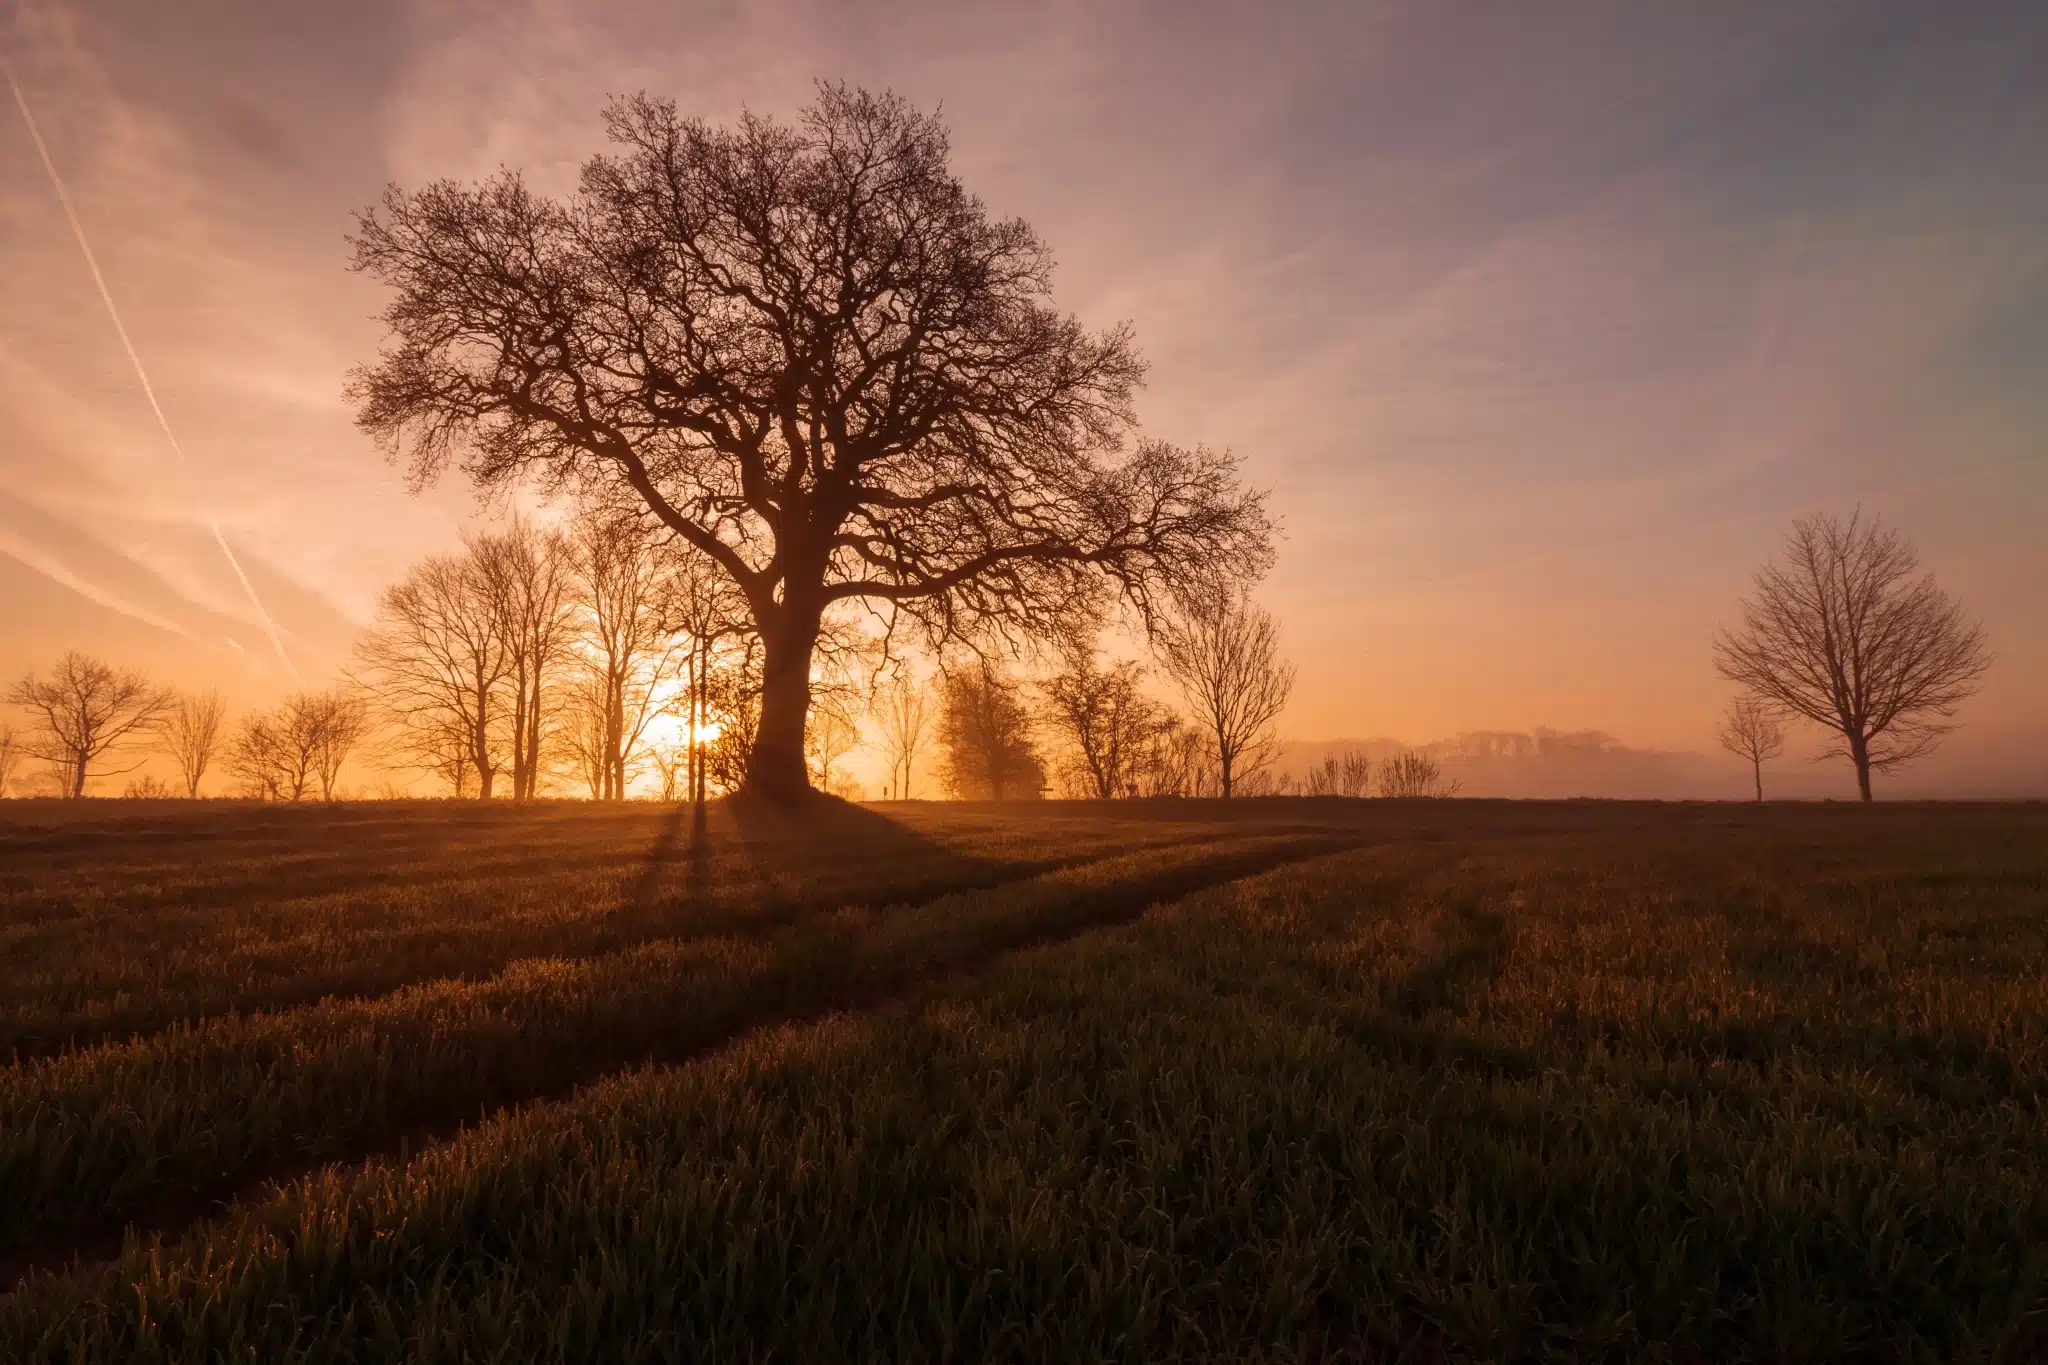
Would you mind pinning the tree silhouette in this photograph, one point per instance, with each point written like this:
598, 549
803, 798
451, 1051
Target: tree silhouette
1112, 730
10, 754
985, 732
1752, 732
1848, 633
816, 358
1223, 653
902, 711
436, 661
526, 572
193, 734
86, 710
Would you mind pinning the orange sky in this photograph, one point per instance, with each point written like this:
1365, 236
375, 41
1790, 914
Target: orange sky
1540, 332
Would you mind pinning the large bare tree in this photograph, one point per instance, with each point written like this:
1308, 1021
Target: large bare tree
816, 358
192, 733
1751, 731
86, 711
1846, 631
1223, 652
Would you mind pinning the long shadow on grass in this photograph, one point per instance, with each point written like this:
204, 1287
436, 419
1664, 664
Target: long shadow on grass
810, 974
832, 841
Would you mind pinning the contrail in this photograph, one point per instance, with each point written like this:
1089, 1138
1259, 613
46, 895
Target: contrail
149, 390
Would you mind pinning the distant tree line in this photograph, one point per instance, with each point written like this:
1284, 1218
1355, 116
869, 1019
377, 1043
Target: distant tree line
601, 656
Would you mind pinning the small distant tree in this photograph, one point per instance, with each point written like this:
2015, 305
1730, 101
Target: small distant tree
829, 738
192, 733
1752, 732
339, 721
985, 734
271, 762
435, 662
525, 573
1223, 653
630, 659
902, 711
672, 766
1846, 632
10, 755
1415, 774
708, 612
1105, 721
86, 711
1175, 762
300, 745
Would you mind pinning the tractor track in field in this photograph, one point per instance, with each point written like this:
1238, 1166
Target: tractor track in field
88, 1249
700, 918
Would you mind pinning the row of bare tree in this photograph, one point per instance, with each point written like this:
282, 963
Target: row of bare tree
535, 651
90, 719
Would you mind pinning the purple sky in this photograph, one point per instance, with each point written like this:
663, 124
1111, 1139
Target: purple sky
1541, 322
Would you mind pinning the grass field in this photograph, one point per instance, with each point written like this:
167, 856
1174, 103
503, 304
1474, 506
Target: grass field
1284, 1080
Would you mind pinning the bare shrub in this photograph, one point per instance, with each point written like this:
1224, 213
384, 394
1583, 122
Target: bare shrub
1415, 774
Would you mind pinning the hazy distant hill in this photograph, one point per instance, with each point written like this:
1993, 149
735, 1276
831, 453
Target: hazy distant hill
1591, 763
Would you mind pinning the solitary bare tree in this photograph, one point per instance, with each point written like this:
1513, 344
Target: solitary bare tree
84, 712
903, 712
1751, 731
193, 734
1846, 632
1222, 651
815, 357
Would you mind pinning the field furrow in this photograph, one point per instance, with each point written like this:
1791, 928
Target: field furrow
157, 1129
107, 942
1343, 1109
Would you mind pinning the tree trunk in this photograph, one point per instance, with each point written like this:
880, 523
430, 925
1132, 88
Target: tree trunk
1859, 754
78, 778
1757, 764
775, 769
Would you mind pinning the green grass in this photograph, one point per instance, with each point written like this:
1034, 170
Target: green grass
1489, 1082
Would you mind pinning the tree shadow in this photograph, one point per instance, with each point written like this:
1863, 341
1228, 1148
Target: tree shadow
849, 834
